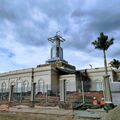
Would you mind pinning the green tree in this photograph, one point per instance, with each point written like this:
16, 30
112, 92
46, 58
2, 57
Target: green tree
115, 63
103, 43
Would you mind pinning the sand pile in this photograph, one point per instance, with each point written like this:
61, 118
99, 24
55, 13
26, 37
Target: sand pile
113, 114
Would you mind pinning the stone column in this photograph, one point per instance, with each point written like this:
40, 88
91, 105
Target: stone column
63, 90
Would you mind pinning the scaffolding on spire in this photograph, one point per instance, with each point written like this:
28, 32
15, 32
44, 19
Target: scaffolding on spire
56, 50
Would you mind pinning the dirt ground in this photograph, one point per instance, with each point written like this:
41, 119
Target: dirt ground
38, 113
22, 116
19, 116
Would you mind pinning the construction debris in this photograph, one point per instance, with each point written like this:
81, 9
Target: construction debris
4, 107
113, 114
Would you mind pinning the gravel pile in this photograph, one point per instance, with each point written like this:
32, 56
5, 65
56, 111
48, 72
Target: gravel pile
113, 115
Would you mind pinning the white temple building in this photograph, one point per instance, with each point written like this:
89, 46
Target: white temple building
56, 76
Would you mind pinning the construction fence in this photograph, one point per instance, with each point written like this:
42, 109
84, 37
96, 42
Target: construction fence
41, 96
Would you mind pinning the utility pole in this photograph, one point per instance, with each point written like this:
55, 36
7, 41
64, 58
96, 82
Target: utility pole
33, 87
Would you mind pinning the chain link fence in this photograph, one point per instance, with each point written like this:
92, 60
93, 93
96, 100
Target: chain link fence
44, 97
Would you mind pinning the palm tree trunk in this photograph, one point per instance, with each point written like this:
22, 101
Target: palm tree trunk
105, 62
107, 90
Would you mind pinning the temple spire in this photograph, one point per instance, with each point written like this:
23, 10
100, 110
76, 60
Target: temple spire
56, 50
56, 39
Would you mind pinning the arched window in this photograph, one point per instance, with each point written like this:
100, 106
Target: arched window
19, 86
25, 86
3, 87
99, 86
40, 87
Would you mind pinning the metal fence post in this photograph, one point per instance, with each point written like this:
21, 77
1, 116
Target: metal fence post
11, 94
33, 94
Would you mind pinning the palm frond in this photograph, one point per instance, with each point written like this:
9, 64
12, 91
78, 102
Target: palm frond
115, 63
102, 42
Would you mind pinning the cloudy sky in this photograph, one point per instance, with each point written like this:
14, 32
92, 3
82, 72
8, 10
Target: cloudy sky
25, 26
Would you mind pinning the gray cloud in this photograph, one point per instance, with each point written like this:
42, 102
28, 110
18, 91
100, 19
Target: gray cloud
80, 22
22, 11
94, 20
4, 11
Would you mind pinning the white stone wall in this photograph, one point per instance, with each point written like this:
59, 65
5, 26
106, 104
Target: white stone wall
70, 81
46, 76
23, 78
54, 81
16, 78
42, 78
96, 78
67, 83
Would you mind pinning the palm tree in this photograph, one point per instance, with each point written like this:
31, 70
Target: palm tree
115, 63
103, 43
